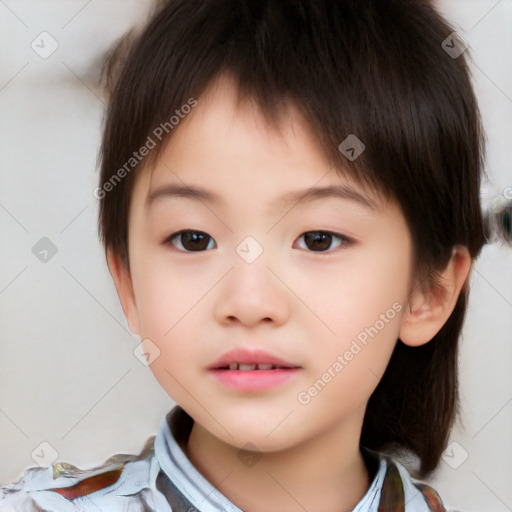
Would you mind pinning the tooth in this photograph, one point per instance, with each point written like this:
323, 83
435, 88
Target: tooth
233, 366
246, 367
264, 366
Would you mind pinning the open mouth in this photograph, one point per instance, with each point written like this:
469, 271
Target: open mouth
248, 367
253, 369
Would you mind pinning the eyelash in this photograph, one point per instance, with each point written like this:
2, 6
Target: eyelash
345, 241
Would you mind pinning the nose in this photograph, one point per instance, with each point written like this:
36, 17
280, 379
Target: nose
252, 293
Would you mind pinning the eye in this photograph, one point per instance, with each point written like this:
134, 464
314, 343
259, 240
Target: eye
320, 241
190, 241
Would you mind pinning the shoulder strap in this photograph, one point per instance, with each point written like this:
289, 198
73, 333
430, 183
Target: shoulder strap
392, 496
431, 497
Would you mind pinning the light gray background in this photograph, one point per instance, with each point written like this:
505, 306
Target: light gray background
68, 375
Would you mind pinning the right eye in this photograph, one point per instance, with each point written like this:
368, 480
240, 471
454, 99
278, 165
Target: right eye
188, 240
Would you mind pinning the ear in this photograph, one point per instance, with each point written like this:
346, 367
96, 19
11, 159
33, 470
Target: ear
430, 306
123, 282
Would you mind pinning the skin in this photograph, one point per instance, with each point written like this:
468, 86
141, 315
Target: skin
300, 303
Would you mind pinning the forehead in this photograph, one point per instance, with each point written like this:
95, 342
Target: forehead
229, 146
223, 124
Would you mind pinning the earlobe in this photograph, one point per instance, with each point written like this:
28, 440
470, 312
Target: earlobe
430, 306
124, 286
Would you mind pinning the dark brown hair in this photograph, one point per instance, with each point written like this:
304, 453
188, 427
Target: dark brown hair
373, 68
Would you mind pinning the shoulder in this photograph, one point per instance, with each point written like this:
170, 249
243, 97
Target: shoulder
121, 482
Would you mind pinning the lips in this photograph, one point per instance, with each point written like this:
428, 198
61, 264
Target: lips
255, 370
245, 359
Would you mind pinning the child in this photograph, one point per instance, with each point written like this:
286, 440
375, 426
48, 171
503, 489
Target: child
239, 135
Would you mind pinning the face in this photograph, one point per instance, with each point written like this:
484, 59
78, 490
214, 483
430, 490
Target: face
316, 286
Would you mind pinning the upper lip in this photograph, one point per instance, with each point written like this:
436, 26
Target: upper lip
250, 356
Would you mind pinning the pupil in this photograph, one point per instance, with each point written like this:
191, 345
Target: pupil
196, 240
316, 236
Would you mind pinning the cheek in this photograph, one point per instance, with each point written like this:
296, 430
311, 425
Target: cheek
162, 292
354, 297
169, 301
166, 303
363, 307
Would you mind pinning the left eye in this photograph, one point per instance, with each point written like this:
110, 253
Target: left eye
190, 241
320, 241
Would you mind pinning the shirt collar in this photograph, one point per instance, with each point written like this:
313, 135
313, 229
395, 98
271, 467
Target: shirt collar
190, 488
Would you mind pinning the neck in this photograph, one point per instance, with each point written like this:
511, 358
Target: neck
327, 470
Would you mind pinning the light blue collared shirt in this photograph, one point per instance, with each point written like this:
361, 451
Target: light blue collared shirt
160, 479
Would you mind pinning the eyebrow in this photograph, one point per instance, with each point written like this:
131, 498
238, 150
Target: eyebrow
314, 193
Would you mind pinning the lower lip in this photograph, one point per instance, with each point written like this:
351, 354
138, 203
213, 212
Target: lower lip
254, 380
